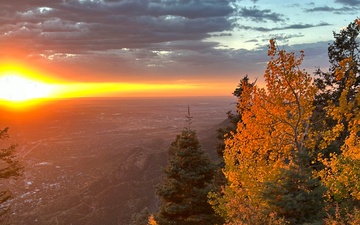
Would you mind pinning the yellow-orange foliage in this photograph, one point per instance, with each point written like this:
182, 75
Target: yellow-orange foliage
275, 125
342, 172
152, 220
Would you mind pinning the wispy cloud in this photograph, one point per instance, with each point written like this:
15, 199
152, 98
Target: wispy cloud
283, 38
348, 2
258, 15
342, 10
252, 40
287, 27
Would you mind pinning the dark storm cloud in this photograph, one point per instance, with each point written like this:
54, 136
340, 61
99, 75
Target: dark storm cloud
258, 15
75, 26
348, 2
288, 27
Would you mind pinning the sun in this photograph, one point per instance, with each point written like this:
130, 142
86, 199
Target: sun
22, 86
15, 88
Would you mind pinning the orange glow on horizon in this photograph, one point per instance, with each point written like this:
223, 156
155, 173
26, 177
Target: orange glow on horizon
23, 87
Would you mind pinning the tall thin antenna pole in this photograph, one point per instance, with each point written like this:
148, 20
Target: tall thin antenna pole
188, 118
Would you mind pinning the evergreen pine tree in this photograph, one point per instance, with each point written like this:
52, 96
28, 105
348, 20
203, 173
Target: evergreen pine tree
10, 168
187, 182
141, 218
297, 196
340, 172
330, 86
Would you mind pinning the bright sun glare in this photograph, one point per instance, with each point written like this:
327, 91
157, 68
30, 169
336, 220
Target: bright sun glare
22, 87
16, 88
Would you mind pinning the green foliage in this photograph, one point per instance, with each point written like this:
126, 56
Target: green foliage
10, 168
345, 45
296, 196
343, 218
223, 132
331, 86
141, 218
339, 148
187, 182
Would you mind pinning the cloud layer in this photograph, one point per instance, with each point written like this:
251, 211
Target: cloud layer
127, 31
77, 26
153, 40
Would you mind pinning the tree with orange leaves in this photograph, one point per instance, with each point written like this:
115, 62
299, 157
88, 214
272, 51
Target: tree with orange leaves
267, 160
333, 86
341, 173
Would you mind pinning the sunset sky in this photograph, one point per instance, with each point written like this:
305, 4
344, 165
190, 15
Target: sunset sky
165, 47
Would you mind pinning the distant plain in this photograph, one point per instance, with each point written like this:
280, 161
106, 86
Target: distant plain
96, 160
